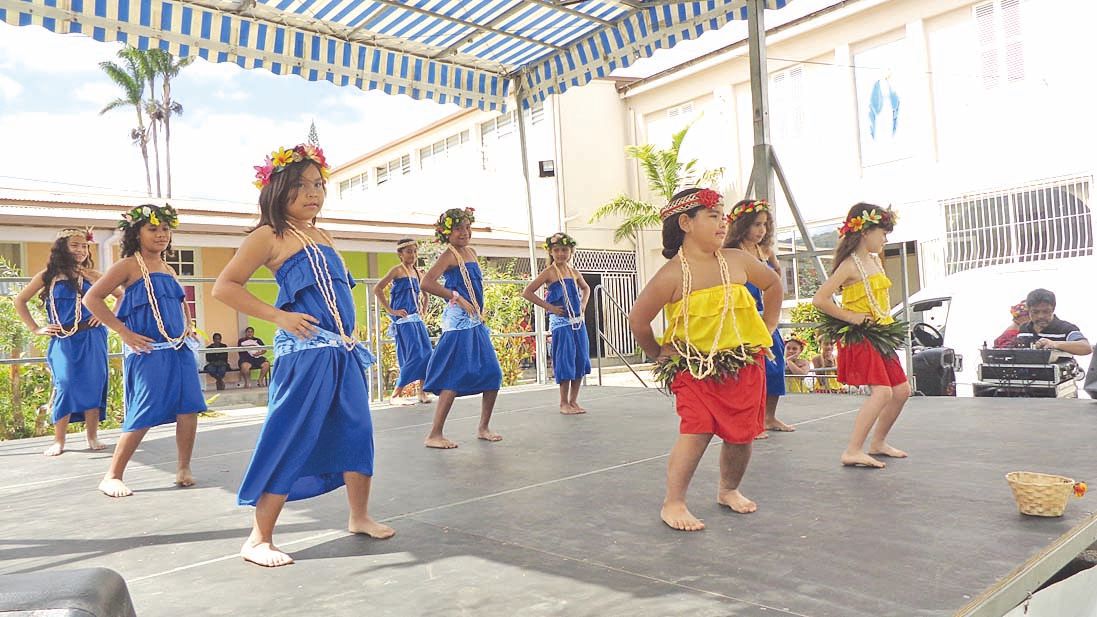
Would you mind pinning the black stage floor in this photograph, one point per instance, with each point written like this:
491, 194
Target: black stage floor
561, 518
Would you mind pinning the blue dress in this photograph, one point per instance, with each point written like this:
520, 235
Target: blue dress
160, 384
464, 360
413, 346
318, 423
775, 368
78, 363
570, 345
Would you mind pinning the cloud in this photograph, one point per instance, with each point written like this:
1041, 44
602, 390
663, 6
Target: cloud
97, 93
36, 50
9, 88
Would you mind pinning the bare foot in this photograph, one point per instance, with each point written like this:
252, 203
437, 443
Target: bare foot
579, 408
677, 516
264, 554
55, 449
371, 528
860, 459
762, 435
571, 410
183, 477
888, 450
736, 501
95, 444
439, 442
114, 487
426, 398
781, 427
487, 435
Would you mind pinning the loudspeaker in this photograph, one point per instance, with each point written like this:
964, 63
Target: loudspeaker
934, 371
94, 592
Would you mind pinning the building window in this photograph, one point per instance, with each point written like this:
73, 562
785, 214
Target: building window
442, 149
1036, 222
786, 93
801, 278
392, 170
184, 262
11, 255
352, 185
1001, 46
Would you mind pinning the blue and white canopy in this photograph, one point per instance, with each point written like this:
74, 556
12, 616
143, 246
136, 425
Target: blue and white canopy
469, 52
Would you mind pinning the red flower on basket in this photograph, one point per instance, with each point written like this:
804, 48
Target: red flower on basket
1080, 489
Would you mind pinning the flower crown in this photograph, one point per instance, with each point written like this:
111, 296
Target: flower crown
281, 158
559, 239
78, 232
405, 244
746, 207
450, 219
1019, 310
868, 218
704, 197
154, 215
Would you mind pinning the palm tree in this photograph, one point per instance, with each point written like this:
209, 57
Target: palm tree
666, 175
130, 78
167, 67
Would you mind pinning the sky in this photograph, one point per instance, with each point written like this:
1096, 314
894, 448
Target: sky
52, 89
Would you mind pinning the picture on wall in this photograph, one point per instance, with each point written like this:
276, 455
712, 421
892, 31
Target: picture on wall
882, 76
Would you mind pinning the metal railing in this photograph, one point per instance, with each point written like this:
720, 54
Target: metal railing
600, 293
373, 319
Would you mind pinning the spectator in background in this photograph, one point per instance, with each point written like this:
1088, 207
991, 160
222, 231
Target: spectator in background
1007, 339
825, 366
795, 364
253, 359
217, 364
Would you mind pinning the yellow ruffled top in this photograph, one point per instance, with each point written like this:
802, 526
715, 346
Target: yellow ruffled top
854, 297
704, 311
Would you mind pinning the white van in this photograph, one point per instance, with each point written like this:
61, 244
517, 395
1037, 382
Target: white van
971, 308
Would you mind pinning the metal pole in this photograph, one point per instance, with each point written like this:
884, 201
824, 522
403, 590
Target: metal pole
761, 174
808, 242
598, 329
906, 315
538, 312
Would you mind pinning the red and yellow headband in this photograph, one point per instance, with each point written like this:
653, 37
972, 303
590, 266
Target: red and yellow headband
746, 207
704, 197
281, 158
868, 218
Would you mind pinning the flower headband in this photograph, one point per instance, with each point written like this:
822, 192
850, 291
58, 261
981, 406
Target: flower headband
746, 207
281, 158
78, 232
868, 218
704, 197
155, 215
1019, 310
449, 219
559, 239
405, 244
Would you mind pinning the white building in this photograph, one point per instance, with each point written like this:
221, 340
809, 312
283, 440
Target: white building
970, 118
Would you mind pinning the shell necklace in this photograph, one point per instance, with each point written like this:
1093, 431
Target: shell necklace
176, 342
324, 282
573, 321
705, 365
467, 281
78, 312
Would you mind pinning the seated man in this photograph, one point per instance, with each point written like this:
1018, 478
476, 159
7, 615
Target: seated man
253, 359
1046, 331
217, 364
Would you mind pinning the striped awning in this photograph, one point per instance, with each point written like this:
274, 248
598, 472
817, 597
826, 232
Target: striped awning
473, 53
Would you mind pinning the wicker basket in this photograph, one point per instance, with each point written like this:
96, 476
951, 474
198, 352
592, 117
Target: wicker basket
1040, 494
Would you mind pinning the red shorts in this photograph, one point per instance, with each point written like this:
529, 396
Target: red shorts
733, 409
861, 364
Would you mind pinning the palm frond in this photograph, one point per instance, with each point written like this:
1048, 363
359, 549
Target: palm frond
633, 225
623, 206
